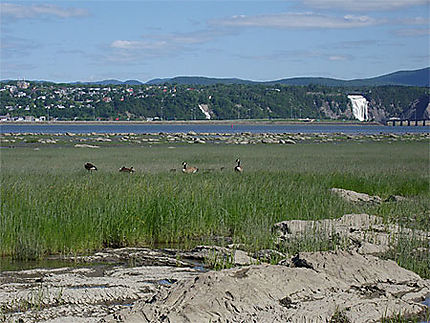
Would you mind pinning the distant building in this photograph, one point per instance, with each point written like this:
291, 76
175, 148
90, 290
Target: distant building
23, 84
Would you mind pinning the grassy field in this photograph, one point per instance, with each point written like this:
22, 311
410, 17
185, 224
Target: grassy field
51, 204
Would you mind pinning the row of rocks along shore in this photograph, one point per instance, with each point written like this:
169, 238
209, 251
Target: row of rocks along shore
243, 138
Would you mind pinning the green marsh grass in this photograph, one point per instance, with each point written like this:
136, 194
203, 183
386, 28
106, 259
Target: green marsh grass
51, 204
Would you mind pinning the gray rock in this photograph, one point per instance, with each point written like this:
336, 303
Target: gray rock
308, 287
85, 294
364, 288
362, 232
103, 139
352, 196
85, 146
81, 294
289, 141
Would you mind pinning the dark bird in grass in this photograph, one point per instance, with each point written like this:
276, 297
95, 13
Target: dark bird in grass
189, 169
127, 169
238, 168
90, 167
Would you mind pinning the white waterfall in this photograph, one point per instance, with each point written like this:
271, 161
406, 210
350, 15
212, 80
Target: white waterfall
205, 109
359, 107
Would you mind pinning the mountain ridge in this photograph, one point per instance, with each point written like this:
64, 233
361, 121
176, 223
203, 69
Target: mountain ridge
419, 77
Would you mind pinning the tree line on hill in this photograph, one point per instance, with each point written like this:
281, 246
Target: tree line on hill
185, 102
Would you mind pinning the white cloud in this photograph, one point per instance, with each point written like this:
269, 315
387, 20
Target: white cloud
189, 38
138, 45
337, 58
364, 5
130, 51
297, 20
18, 11
172, 40
161, 45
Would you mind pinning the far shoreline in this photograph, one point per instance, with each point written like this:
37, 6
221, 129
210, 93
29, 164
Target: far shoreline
199, 122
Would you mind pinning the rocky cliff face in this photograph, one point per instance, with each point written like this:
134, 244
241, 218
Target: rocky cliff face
418, 109
372, 107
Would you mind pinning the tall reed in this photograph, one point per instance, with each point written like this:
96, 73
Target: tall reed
51, 204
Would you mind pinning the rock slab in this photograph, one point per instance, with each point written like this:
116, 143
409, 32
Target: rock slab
364, 288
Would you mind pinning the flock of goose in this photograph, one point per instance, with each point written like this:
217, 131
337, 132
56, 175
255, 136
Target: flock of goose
185, 168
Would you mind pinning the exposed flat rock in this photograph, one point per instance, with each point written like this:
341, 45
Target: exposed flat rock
309, 287
363, 288
134, 256
353, 196
81, 294
85, 146
363, 232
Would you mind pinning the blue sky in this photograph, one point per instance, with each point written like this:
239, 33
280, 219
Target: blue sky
257, 40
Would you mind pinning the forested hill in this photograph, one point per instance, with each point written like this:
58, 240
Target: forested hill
419, 77
199, 80
19, 99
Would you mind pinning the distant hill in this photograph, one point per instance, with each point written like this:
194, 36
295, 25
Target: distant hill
419, 77
111, 82
199, 80
413, 78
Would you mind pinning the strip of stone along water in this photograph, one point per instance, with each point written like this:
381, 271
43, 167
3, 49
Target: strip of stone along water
96, 140
210, 128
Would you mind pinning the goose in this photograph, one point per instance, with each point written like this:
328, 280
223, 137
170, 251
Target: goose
189, 170
90, 167
127, 169
238, 168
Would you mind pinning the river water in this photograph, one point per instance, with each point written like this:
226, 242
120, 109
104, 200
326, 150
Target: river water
212, 128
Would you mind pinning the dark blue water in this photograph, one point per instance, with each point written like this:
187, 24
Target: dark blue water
199, 128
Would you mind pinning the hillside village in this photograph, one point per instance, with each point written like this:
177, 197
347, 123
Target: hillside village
42, 101
23, 101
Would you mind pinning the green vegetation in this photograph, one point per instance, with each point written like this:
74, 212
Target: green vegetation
400, 318
339, 316
181, 102
51, 204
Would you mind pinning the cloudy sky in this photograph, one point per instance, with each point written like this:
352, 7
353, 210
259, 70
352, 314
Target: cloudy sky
257, 40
